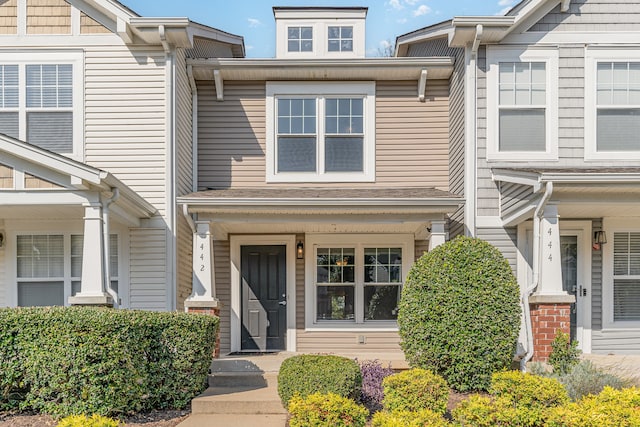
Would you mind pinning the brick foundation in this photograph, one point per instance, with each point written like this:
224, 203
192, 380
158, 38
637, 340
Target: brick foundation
546, 320
211, 311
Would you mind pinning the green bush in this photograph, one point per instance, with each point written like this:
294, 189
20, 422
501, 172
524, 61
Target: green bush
611, 408
485, 411
459, 314
76, 360
564, 353
423, 418
326, 410
306, 374
528, 390
414, 390
84, 421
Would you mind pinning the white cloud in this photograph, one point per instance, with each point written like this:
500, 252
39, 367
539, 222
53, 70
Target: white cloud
385, 44
396, 4
248, 47
253, 22
411, 2
421, 10
401, 20
505, 2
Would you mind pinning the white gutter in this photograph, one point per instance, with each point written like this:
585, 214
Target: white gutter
105, 244
472, 135
187, 216
536, 274
194, 129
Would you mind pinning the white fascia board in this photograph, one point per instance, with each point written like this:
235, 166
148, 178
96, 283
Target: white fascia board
140, 206
453, 201
51, 160
591, 178
522, 214
517, 177
319, 13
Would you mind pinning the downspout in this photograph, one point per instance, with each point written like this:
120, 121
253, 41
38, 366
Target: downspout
536, 274
105, 242
171, 165
194, 129
187, 216
471, 147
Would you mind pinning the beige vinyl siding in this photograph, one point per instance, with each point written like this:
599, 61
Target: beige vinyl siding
8, 16
88, 25
376, 343
593, 15
125, 117
411, 137
505, 239
6, 176
148, 271
222, 273
184, 254
421, 247
48, 17
4, 283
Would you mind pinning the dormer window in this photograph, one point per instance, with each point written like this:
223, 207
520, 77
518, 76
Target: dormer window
340, 39
300, 39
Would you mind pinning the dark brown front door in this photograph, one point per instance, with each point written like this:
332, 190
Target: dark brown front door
264, 284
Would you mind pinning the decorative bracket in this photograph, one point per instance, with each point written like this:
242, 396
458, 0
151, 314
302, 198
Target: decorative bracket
217, 77
422, 85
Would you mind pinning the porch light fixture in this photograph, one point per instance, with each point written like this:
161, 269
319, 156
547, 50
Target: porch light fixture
300, 250
599, 238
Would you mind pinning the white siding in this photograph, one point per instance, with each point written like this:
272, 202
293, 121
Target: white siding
147, 279
125, 117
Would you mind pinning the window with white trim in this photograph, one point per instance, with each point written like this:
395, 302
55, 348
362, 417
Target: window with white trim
49, 267
40, 101
626, 276
522, 105
300, 39
320, 132
340, 39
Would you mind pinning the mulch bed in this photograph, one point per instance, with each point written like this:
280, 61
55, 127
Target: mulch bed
151, 419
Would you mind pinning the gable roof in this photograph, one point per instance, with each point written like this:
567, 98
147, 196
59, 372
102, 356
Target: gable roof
461, 30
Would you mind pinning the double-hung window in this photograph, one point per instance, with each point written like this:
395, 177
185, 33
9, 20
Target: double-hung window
356, 279
340, 39
320, 132
39, 102
626, 276
612, 105
522, 105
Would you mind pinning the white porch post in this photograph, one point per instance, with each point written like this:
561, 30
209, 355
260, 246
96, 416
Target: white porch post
438, 234
92, 285
550, 265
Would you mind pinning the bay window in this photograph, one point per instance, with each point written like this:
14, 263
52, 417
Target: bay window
320, 132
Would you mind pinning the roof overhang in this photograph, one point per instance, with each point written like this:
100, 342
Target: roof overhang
359, 69
494, 28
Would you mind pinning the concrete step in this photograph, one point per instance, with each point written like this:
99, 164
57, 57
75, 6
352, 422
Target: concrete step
234, 420
243, 379
238, 400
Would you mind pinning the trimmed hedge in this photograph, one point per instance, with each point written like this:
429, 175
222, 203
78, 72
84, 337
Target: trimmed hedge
307, 374
459, 314
421, 418
326, 410
414, 390
81, 360
528, 390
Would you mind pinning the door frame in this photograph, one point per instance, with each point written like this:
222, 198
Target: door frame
236, 242
581, 229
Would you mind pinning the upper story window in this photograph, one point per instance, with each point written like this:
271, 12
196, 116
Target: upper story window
522, 105
340, 39
320, 132
40, 101
300, 39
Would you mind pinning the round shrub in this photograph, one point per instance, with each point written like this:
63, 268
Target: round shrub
484, 411
423, 418
611, 408
414, 390
528, 390
306, 374
84, 421
326, 410
459, 314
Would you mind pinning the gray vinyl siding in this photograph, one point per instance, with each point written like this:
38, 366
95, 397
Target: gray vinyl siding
148, 271
596, 283
593, 15
222, 273
514, 197
125, 117
619, 341
505, 239
412, 138
300, 291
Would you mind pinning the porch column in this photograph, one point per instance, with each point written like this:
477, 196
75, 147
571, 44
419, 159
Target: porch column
550, 304
438, 234
203, 295
92, 285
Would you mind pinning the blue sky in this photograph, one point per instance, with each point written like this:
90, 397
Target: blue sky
253, 19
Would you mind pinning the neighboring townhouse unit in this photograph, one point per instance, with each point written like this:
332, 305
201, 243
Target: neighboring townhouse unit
321, 176
549, 159
95, 143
